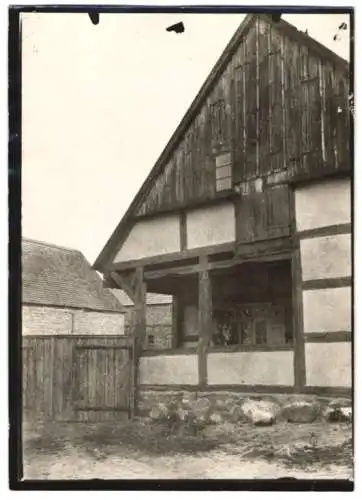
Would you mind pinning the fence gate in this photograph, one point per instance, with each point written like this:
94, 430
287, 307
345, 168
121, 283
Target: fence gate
77, 378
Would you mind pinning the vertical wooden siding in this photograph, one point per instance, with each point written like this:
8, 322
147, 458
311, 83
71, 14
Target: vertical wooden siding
76, 378
276, 107
264, 214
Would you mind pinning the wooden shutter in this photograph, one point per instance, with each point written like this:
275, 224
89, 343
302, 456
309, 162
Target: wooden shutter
277, 220
223, 172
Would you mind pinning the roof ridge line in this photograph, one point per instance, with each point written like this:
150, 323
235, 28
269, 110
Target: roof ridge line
51, 245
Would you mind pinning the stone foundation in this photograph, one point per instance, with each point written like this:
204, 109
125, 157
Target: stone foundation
264, 409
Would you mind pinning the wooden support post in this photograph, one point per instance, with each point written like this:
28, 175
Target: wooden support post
140, 307
297, 304
176, 331
138, 331
134, 377
298, 329
205, 319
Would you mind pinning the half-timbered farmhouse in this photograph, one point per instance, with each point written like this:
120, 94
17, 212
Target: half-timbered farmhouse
245, 220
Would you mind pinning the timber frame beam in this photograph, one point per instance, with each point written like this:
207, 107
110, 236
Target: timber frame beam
140, 306
297, 304
213, 266
134, 285
272, 249
204, 319
171, 257
126, 282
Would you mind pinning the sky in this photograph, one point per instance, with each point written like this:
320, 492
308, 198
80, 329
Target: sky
99, 104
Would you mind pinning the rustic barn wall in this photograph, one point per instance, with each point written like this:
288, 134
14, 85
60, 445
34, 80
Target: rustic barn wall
326, 257
278, 108
323, 204
210, 226
328, 364
151, 237
168, 370
38, 320
260, 368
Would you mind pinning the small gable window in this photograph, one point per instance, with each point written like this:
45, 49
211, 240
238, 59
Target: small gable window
223, 172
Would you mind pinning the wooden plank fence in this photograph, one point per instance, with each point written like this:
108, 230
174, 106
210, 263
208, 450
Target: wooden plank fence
74, 378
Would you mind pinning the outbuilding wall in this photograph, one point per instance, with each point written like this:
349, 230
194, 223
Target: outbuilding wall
39, 320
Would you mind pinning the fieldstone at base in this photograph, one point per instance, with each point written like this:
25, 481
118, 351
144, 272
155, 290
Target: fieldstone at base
220, 407
182, 414
215, 418
260, 412
301, 412
201, 408
338, 414
159, 412
235, 414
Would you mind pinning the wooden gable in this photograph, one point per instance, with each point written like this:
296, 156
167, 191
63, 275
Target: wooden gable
274, 109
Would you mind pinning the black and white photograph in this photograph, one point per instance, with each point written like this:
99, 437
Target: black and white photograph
185, 233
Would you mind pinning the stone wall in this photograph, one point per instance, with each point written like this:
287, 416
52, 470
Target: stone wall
219, 406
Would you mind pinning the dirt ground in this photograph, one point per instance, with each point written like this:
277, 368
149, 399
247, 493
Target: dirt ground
144, 450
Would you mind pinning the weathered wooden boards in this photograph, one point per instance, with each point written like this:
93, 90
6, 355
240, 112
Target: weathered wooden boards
72, 378
278, 106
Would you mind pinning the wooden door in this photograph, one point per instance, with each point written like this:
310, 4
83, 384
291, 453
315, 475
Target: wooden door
73, 378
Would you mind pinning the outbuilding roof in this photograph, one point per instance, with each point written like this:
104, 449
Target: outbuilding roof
152, 299
62, 277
